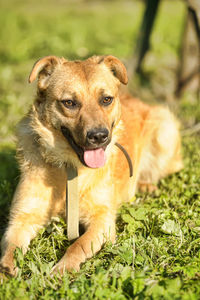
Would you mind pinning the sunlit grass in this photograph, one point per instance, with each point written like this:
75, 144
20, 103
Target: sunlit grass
156, 255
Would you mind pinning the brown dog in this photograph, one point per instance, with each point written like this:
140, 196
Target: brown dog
76, 119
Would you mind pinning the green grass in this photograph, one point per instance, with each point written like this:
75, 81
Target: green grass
157, 252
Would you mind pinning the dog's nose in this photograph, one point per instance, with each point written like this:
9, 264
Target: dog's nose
97, 136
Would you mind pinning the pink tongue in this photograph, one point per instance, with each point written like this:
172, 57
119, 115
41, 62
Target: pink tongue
95, 158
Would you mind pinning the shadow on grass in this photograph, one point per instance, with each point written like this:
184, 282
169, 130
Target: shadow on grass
9, 175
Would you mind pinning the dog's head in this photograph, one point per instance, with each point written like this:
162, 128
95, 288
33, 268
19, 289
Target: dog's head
80, 99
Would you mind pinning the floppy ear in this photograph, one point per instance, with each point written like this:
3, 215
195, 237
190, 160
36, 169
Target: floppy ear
42, 69
117, 68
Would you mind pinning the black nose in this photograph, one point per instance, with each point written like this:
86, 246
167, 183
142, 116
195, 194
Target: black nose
97, 136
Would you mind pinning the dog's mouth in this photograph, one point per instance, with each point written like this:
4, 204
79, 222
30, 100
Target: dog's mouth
92, 158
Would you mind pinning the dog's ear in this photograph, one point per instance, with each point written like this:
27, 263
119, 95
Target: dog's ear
117, 67
42, 69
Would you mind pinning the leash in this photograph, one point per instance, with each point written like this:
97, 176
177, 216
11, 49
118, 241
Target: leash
72, 197
72, 204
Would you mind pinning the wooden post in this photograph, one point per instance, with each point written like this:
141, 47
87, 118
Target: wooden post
143, 43
189, 69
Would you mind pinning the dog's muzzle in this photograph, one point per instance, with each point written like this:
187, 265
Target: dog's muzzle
93, 153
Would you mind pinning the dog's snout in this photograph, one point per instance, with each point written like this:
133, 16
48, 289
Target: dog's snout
97, 136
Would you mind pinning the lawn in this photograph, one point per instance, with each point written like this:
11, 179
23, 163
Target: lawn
157, 252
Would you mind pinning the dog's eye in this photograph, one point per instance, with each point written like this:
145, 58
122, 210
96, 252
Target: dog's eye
107, 100
69, 103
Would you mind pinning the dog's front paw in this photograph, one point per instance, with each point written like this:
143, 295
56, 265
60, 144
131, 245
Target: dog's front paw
5, 273
71, 261
83, 248
63, 265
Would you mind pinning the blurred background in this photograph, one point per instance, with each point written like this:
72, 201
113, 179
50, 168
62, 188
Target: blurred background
149, 36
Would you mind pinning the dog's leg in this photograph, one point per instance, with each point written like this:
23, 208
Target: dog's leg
100, 230
18, 234
31, 209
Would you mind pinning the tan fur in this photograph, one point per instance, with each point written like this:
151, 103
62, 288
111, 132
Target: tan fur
149, 134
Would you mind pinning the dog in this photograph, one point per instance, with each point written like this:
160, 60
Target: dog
78, 117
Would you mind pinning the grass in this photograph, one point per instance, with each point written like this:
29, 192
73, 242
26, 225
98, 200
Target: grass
157, 252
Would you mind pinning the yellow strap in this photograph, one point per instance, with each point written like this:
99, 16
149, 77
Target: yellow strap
72, 204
